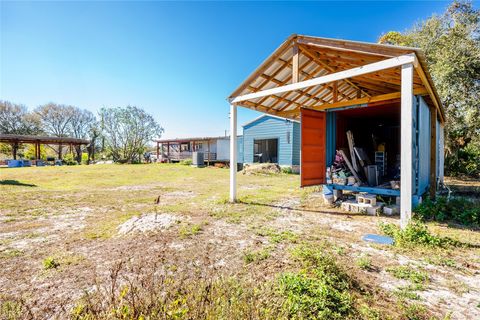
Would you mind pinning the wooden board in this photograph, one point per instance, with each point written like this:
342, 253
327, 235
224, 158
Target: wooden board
313, 153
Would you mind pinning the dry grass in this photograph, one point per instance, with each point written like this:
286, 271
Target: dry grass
220, 260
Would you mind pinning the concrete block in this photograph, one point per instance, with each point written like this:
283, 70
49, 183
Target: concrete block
370, 199
375, 210
391, 210
337, 194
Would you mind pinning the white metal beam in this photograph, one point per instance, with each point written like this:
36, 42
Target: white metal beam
369, 68
406, 152
233, 153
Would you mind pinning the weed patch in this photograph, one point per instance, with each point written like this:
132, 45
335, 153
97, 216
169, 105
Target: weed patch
409, 273
320, 290
407, 292
365, 263
256, 256
416, 234
50, 263
10, 253
459, 210
190, 230
277, 236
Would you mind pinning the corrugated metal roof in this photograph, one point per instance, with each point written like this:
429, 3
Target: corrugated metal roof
321, 56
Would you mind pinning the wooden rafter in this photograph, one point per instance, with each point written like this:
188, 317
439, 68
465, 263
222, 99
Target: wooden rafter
365, 100
287, 66
314, 58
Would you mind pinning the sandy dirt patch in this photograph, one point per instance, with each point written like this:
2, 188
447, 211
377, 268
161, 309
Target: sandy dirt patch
147, 223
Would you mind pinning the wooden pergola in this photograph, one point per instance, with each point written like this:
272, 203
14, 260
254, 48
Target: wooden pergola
16, 139
319, 74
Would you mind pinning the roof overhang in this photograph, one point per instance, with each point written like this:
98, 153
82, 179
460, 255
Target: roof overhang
17, 138
190, 139
267, 115
321, 73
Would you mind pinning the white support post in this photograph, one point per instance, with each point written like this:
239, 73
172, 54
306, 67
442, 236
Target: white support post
233, 153
406, 157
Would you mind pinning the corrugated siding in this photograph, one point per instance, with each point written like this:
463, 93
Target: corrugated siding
423, 146
441, 152
240, 149
223, 149
269, 128
296, 144
331, 137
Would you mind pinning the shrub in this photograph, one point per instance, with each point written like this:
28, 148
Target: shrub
287, 170
69, 159
50, 263
84, 158
464, 161
459, 210
186, 162
415, 234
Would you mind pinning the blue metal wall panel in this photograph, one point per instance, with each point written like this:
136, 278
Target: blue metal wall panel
423, 146
331, 137
270, 128
240, 149
296, 144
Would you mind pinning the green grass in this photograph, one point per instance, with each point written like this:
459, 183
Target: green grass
190, 230
254, 256
296, 276
276, 236
118, 192
407, 272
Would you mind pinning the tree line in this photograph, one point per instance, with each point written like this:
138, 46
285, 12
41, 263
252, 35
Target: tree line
451, 43
121, 133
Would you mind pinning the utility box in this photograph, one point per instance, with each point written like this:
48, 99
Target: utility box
198, 159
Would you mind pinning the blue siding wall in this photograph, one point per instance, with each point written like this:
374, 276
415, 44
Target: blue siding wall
423, 146
331, 137
271, 128
296, 144
240, 149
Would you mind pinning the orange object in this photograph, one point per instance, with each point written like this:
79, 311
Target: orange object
313, 147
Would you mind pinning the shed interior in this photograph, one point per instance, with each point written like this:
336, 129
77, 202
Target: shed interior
376, 130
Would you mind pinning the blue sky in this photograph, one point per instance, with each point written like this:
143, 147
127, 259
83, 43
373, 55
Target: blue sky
179, 61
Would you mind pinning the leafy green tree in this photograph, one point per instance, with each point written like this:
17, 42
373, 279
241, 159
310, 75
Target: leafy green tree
128, 131
451, 43
15, 119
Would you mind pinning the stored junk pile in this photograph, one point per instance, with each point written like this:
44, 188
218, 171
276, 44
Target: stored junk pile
358, 170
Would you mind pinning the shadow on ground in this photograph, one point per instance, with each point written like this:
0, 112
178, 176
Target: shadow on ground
16, 183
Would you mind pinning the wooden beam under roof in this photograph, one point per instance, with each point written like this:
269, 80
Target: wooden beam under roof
341, 104
295, 59
355, 46
326, 66
369, 68
264, 65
